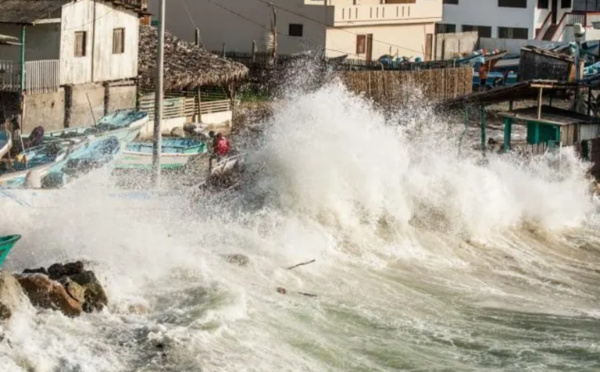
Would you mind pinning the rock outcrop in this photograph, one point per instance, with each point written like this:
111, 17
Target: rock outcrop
68, 288
11, 295
49, 294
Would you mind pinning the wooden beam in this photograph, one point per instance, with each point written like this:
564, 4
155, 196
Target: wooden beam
539, 108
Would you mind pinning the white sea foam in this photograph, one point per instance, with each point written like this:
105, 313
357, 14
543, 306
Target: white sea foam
424, 258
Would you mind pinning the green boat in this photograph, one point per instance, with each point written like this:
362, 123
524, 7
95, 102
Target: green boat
175, 154
6, 244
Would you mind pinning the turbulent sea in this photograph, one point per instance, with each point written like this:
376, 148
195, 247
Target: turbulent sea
427, 258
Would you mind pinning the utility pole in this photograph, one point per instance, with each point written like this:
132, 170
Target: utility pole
158, 96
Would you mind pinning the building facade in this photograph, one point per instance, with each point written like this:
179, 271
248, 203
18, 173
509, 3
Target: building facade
550, 20
70, 52
360, 29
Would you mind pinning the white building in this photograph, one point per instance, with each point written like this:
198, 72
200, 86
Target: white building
70, 50
520, 19
361, 29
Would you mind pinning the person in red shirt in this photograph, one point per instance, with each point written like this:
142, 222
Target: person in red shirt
222, 146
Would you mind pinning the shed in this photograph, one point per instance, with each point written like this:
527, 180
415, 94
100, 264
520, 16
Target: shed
550, 126
198, 85
537, 63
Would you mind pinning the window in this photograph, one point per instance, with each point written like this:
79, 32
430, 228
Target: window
512, 3
296, 29
565, 3
513, 33
484, 31
444, 28
118, 40
361, 44
454, 2
80, 43
542, 4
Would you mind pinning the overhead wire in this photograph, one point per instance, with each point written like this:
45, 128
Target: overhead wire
325, 24
267, 29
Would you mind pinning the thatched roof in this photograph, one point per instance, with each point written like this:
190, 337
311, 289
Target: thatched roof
28, 11
186, 65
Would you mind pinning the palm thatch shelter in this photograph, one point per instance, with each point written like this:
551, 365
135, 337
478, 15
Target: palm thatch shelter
187, 66
198, 85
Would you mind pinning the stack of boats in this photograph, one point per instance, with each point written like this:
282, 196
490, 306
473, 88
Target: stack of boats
72, 152
69, 151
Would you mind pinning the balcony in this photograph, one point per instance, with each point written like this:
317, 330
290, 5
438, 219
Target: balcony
393, 12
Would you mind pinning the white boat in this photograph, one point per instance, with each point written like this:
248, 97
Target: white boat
123, 124
175, 154
37, 162
5, 143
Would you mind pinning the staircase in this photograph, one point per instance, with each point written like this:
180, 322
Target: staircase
549, 34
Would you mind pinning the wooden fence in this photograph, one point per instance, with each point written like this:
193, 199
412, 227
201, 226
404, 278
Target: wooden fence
185, 105
390, 88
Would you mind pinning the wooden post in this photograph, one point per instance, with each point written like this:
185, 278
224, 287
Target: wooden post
199, 105
539, 112
68, 105
106, 97
507, 133
197, 37
223, 51
483, 136
253, 51
589, 102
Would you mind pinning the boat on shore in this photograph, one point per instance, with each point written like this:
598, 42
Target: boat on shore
38, 160
6, 244
5, 143
175, 154
123, 124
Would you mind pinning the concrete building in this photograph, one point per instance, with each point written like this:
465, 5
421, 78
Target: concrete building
361, 29
73, 54
550, 20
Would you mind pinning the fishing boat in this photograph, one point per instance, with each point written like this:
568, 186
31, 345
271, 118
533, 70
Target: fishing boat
38, 160
5, 143
6, 244
123, 124
175, 153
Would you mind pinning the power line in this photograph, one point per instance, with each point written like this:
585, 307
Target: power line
267, 29
325, 24
189, 14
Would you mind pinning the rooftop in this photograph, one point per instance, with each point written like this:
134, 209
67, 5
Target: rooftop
549, 115
186, 65
30, 11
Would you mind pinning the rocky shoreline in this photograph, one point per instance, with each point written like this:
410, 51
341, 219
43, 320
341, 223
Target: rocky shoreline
68, 288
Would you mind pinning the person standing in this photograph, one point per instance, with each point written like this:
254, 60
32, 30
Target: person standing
483, 75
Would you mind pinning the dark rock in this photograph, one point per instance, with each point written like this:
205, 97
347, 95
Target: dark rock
76, 291
281, 290
236, 259
95, 297
49, 294
57, 271
41, 270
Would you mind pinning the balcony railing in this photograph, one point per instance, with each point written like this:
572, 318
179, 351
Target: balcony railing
388, 13
40, 76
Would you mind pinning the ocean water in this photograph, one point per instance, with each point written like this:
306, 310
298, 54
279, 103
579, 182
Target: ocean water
427, 258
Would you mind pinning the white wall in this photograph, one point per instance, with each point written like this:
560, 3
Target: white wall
81, 16
401, 40
487, 13
218, 26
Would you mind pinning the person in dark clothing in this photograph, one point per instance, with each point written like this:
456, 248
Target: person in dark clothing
35, 138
